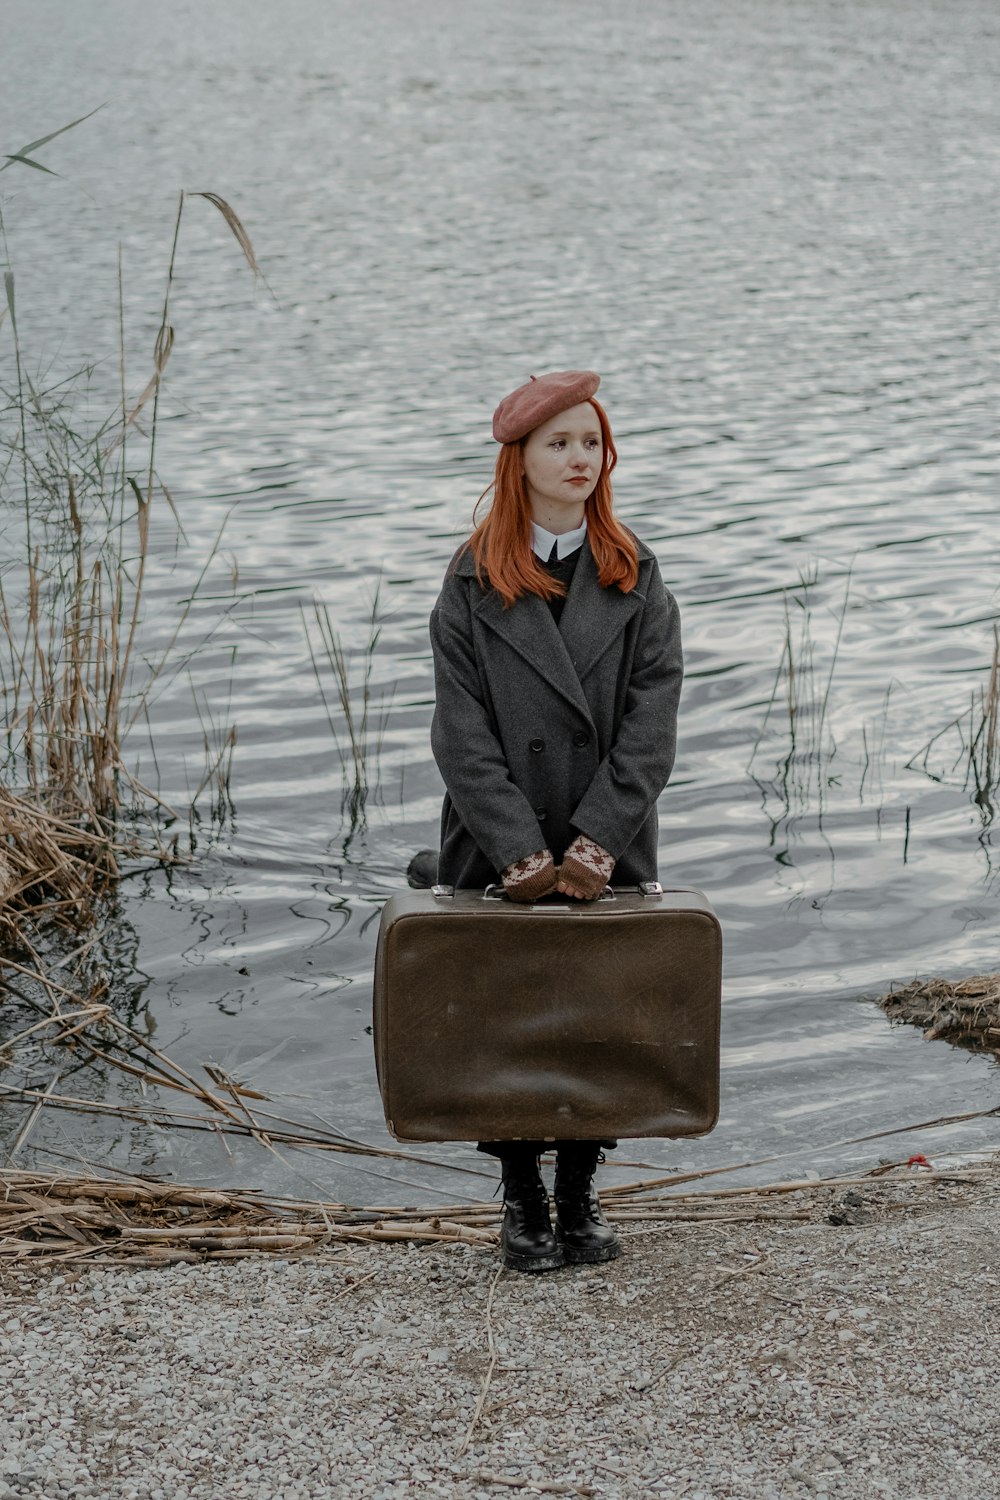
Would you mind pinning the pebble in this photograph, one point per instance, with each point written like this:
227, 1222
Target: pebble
271, 1380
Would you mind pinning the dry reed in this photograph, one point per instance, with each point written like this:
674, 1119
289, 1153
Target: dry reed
70, 627
73, 682
966, 1014
52, 1218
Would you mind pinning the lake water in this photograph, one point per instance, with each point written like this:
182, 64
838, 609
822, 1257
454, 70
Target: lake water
773, 229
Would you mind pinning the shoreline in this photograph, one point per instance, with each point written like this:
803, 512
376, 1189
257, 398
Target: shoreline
759, 1357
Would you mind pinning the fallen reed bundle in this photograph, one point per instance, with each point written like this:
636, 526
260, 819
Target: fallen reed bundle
967, 1014
52, 863
52, 1218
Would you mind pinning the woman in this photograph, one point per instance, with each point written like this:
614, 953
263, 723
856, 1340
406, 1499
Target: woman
558, 668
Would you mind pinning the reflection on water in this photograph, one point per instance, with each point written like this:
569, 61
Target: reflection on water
773, 230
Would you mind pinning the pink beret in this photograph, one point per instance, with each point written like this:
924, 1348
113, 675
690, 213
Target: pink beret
543, 397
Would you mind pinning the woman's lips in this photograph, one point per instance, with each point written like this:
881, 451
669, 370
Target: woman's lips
578, 479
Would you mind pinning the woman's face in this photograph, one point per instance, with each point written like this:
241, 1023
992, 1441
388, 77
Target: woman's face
562, 461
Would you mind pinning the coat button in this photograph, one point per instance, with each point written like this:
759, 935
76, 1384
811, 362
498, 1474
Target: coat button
541, 814
581, 738
537, 745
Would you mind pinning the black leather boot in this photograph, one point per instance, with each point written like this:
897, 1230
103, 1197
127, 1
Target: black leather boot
527, 1241
584, 1232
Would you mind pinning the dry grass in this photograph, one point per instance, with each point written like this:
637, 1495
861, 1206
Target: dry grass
49, 862
967, 1014
76, 502
50, 1218
76, 684
77, 521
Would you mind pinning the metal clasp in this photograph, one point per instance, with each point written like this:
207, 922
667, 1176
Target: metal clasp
442, 890
650, 888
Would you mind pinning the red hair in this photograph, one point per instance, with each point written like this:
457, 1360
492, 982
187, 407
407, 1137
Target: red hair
501, 542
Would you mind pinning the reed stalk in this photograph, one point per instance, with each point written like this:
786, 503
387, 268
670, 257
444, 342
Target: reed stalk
969, 744
78, 555
50, 1217
350, 705
795, 730
77, 497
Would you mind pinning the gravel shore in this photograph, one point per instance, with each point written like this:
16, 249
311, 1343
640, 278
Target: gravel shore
751, 1360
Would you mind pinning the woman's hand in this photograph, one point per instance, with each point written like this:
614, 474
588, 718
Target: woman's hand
585, 870
530, 878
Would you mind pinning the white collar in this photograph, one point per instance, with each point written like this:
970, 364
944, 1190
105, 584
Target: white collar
569, 541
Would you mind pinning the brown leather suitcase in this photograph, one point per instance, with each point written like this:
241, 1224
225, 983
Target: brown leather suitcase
498, 1020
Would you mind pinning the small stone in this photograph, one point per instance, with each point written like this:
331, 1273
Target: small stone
363, 1353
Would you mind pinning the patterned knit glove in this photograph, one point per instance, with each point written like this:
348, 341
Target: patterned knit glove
586, 866
528, 879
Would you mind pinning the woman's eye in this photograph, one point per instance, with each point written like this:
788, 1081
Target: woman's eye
557, 443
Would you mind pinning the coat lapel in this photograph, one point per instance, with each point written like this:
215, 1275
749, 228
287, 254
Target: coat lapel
594, 617
592, 620
529, 627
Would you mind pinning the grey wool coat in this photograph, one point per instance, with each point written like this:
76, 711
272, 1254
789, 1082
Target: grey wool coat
543, 731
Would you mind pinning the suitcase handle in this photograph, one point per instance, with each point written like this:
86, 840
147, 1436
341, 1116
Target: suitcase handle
645, 888
496, 892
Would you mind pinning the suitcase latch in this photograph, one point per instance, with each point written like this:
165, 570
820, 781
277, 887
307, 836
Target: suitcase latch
442, 890
650, 888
